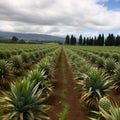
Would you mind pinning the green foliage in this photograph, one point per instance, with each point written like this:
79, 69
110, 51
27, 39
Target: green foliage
4, 69
107, 55
93, 58
32, 56
45, 66
67, 40
117, 78
14, 39
116, 57
94, 86
110, 65
25, 57
38, 77
2, 55
16, 62
23, 102
64, 113
112, 114
100, 62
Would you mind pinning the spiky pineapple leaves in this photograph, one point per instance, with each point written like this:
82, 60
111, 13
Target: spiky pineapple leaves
94, 86
24, 102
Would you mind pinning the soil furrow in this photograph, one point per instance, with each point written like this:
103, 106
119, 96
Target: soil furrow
76, 111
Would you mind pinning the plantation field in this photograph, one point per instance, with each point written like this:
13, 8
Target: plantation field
56, 82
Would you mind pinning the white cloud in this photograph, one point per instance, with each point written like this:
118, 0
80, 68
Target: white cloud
57, 17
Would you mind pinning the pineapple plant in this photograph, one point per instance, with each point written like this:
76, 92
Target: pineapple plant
2, 55
93, 58
110, 65
23, 102
116, 57
117, 78
46, 66
107, 55
94, 86
16, 62
100, 62
25, 57
4, 69
32, 56
107, 110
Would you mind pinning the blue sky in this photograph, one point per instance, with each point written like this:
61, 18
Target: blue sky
111, 4
57, 17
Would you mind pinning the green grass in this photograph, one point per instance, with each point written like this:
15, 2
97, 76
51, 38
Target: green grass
66, 108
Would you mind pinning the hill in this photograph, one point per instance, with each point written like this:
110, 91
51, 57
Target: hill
30, 36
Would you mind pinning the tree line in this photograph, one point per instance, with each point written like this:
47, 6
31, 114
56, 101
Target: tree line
100, 40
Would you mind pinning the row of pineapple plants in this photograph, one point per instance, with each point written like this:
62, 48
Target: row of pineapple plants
8, 51
26, 98
106, 55
17, 63
108, 64
93, 85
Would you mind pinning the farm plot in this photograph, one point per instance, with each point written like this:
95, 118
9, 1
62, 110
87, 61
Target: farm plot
60, 83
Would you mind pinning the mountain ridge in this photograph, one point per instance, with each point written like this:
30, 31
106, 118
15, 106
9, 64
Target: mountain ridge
31, 36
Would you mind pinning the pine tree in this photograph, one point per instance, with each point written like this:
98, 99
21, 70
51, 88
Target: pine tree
67, 40
73, 40
117, 40
80, 40
84, 41
110, 41
100, 39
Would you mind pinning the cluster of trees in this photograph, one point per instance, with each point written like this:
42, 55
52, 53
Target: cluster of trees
100, 40
71, 40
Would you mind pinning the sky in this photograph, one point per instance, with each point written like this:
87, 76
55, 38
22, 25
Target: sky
60, 17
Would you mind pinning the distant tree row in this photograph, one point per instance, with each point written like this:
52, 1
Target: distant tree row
110, 40
71, 40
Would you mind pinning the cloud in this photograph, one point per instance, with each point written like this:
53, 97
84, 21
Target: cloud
57, 17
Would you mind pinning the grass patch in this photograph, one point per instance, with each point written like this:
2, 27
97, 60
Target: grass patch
63, 94
66, 108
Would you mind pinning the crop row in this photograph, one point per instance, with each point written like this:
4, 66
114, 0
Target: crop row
93, 85
18, 63
26, 98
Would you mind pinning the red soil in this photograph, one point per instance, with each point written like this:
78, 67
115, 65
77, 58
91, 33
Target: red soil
76, 110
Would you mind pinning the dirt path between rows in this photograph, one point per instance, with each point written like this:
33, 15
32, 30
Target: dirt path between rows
76, 111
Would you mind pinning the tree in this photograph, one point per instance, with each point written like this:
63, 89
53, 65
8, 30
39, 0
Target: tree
84, 41
110, 41
73, 40
100, 40
67, 40
117, 40
14, 39
80, 40
95, 41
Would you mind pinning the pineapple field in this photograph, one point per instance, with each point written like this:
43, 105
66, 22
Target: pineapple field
56, 82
